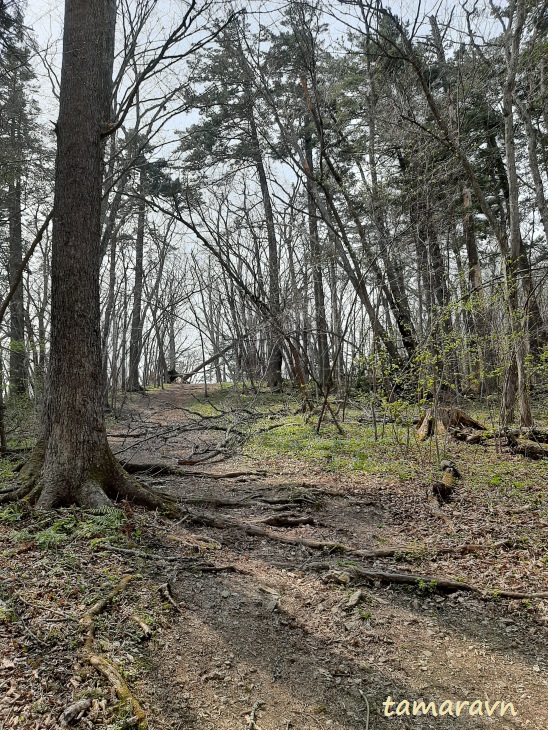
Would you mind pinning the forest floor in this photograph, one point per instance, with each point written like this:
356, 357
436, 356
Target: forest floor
252, 633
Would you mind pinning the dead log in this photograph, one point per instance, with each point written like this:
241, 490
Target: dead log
531, 449
540, 435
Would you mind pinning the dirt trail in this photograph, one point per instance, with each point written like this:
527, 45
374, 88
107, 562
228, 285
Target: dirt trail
274, 645
270, 635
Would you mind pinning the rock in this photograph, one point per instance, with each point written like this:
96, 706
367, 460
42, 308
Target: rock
354, 599
212, 675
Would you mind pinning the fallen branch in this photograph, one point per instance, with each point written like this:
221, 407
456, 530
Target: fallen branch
187, 376
74, 712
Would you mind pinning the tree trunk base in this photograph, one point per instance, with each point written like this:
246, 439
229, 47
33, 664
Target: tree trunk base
102, 484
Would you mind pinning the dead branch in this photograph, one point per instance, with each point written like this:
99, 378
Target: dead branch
251, 725
187, 376
74, 711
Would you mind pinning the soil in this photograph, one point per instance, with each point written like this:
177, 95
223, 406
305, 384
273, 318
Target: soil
271, 636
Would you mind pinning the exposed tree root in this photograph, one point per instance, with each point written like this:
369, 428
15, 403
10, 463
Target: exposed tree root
221, 522
287, 520
252, 718
141, 554
108, 670
88, 619
165, 591
101, 664
428, 582
145, 628
223, 475
167, 470
102, 484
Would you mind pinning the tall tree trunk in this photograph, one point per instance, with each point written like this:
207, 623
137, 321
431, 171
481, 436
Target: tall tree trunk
136, 339
324, 367
17, 372
72, 463
275, 356
17, 366
517, 268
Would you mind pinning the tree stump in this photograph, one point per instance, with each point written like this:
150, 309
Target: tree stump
440, 420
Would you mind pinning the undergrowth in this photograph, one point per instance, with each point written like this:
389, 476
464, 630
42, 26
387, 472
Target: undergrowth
51, 530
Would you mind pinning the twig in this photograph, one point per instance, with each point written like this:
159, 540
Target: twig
251, 722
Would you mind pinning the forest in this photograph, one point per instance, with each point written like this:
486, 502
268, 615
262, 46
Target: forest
273, 364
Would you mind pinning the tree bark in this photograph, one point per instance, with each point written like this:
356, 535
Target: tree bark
275, 356
17, 371
516, 283
135, 344
72, 462
324, 367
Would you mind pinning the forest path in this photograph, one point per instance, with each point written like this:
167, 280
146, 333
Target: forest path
265, 642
